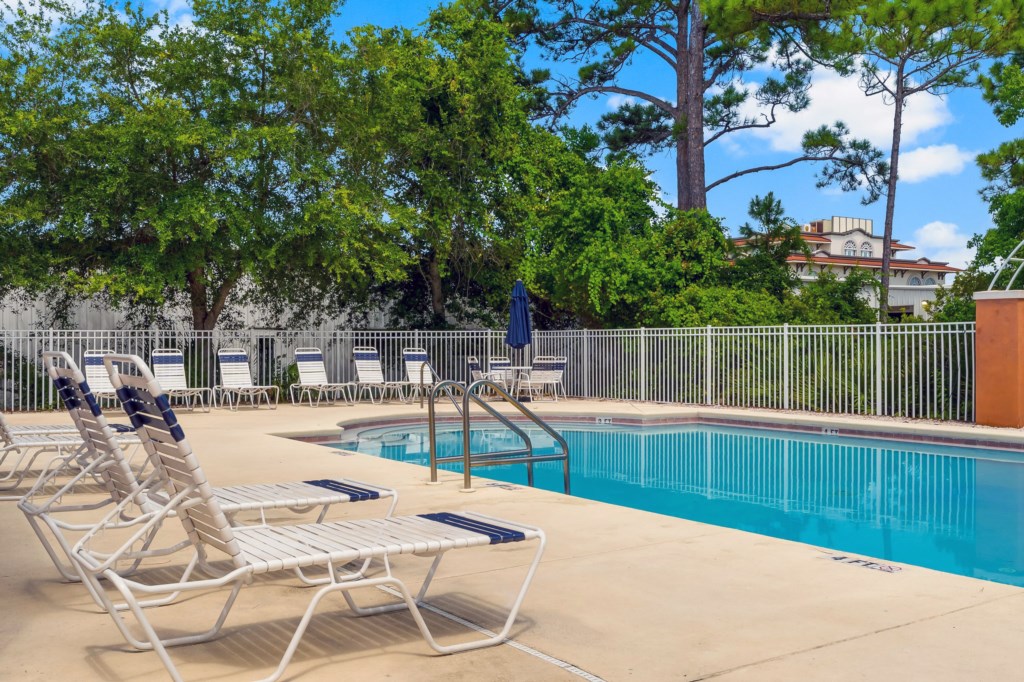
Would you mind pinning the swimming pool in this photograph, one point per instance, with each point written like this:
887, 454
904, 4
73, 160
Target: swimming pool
959, 510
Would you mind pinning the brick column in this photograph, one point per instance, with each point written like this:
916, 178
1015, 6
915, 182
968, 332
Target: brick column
999, 359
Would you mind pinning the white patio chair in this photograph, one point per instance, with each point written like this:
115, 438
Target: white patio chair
477, 373
370, 376
105, 460
260, 550
313, 379
419, 374
544, 377
236, 381
500, 367
169, 369
475, 369
99, 382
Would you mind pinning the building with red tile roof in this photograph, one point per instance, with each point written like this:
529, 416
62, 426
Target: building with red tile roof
842, 245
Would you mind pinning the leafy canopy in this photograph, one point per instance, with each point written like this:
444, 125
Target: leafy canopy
159, 163
714, 55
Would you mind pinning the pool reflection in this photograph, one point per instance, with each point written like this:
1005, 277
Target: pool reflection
953, 510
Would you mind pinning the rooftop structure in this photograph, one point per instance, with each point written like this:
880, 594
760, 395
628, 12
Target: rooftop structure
843, 244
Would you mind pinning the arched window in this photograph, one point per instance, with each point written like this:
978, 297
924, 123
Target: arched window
865, 250
850, 248
915, 281
930, 281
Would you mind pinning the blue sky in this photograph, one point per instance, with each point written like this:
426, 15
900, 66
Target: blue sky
937, 208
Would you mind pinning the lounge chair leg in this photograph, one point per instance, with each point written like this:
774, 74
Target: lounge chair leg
67, 572
155, 643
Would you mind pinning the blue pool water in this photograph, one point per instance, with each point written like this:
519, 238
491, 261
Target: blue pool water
957, 510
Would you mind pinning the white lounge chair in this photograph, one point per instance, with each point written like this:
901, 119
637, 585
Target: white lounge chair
21, 451
260, 550
236, 381
418, 372
313, 379
169, 369
370, 376
8, 430
544, 378
99, 382
105, 460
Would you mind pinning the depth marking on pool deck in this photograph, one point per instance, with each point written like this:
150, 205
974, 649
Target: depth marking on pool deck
564, 665
865, 563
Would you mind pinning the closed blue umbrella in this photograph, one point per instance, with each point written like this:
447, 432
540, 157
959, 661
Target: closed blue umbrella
519, 333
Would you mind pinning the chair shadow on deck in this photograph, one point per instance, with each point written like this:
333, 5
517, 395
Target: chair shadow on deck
336, 637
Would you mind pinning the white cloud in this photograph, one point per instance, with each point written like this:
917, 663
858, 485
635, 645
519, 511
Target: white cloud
179, 7
834, 98
179, 12
618, 101
923, 163
942, 241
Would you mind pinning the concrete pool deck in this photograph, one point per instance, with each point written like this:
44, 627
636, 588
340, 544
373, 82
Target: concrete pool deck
621, 594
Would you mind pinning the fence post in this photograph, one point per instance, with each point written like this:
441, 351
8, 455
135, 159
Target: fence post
878, 368
586, 363
707, 365
785, 367
643, 364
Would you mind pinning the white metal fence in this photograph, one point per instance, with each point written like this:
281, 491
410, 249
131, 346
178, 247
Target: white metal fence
912, 370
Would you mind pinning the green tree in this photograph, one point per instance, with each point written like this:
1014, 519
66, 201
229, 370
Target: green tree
448, 115
586, 259
955, 303
902, 49
762, 259
206, 162
1003, 168
830, 300
719, 306
706, 48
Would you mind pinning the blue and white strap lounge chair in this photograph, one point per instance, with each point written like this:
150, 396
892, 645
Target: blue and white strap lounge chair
105, 460
313, 379
370, 376
544, 378
97, 377
419, 374
51, 498
236, 381
262, 550
169, 369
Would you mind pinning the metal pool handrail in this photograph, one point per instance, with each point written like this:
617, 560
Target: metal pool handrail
468, 458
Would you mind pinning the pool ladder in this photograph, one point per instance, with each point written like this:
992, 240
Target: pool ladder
469, 459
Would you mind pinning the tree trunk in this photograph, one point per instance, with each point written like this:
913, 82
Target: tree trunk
890, 199
201, 318
436, 290
679, 118
682, 189
204, 314
694, 108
